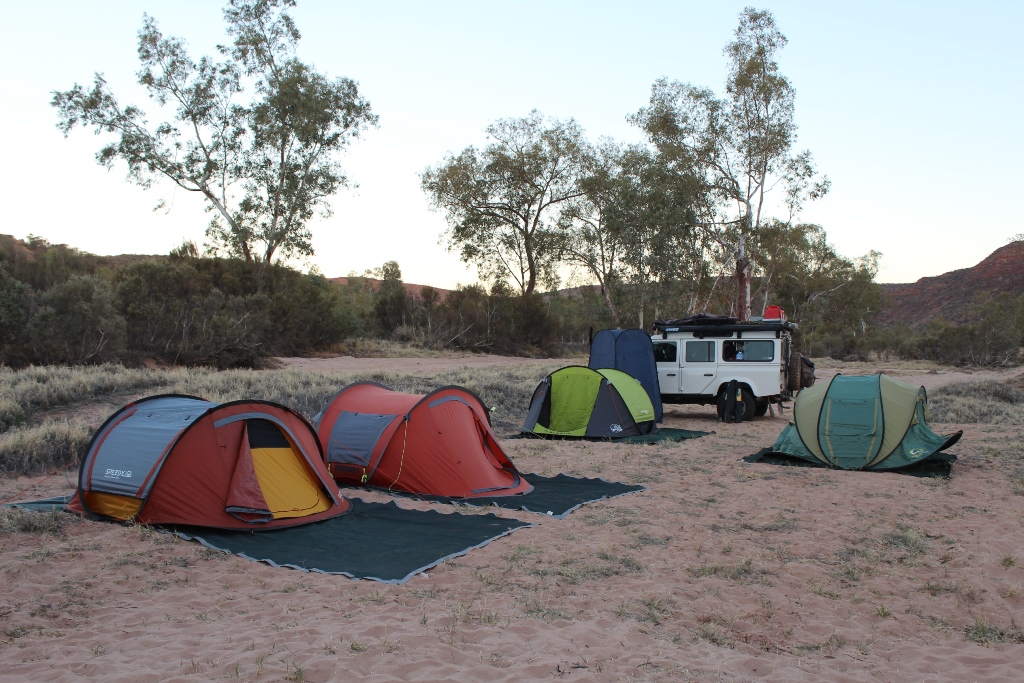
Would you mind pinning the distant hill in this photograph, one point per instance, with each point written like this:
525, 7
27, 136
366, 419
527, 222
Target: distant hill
410, 288
950, 295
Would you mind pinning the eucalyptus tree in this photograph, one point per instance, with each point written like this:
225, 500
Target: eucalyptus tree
593, 240
740, 145
633, 228
502, 203
654, 218
265, 167
828, 293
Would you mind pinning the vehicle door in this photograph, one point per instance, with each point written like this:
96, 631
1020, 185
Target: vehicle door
666, 356
756, 360
699, 365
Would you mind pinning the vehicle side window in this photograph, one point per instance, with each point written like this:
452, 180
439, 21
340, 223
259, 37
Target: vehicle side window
664, 352
700, 352
759, 350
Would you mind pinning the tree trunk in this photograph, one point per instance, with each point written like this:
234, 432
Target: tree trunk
743, 288
607, 292
743, 268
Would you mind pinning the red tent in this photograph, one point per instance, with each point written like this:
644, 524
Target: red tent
182, 460
440, 444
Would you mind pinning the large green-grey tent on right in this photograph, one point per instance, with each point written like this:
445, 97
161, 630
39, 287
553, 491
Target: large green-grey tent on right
862, 423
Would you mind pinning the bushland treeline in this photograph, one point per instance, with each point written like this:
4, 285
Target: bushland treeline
59, 305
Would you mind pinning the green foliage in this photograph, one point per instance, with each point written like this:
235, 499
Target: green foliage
41, 265
831, 296
214, 311
77, 322
738, 147
392, 302
265, 167
993, 338
501, 203
15, 301
634, 229
181, 309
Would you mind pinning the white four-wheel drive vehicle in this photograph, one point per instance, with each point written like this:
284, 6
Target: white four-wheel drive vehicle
698, 357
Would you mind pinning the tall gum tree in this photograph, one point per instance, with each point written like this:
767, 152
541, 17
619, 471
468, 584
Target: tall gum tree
633, 229
265, 167
592, 241
502, 202
740, 145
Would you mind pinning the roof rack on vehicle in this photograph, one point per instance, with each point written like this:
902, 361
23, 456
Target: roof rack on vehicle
696, 319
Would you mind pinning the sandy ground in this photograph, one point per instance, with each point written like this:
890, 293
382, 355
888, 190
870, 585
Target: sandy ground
720, 571
413, 366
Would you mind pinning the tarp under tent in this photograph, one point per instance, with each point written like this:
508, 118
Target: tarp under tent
862, 423
632, 352
176, 459
438, 444
575, 401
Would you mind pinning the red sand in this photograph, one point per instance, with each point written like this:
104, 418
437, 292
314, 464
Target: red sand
721, 571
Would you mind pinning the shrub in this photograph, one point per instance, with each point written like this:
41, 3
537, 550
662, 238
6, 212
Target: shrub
77, 322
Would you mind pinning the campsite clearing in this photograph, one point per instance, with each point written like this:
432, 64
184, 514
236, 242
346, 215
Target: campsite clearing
718, 571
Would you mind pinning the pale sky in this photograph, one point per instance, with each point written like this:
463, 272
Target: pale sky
913, 109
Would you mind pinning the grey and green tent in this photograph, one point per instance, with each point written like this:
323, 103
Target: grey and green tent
575, 401
862, 423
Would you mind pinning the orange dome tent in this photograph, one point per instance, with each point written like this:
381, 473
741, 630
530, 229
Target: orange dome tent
440, 444
177, 459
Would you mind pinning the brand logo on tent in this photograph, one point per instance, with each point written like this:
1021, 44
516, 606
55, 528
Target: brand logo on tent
117, 474
916, 451
615, 427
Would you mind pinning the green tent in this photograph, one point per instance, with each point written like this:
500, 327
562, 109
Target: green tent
862, 423
578, 401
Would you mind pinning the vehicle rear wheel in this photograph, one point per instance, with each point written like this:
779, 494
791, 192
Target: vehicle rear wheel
749, 403
747, 399
795, 366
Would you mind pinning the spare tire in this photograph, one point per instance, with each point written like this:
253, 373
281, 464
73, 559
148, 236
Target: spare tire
793, 374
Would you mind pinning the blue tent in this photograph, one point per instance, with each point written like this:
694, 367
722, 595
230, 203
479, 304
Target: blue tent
631, 352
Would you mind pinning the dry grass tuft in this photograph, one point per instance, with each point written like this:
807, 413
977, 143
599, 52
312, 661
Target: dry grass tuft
984, 633
33, 448
26, 392
979, 402
18, 521
54, 445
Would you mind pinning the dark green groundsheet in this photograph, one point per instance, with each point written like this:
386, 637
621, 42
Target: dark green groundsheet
45, 505
378, 541
937, 465
554, 496
663, 434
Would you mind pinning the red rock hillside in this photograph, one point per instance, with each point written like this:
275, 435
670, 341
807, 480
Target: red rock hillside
950, 296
